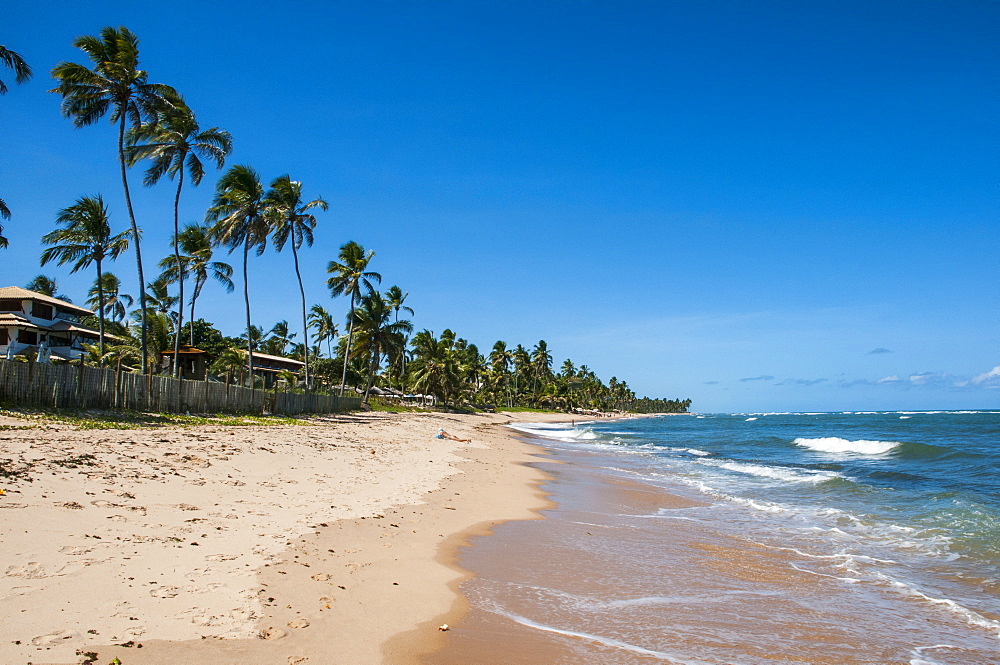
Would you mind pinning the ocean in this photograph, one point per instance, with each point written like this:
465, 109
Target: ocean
855, 537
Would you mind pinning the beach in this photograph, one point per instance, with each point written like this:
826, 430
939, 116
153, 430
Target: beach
315, 542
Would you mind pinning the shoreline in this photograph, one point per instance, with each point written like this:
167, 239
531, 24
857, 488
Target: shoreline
369, 581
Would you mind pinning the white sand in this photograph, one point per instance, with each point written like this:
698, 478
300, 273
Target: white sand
166, 536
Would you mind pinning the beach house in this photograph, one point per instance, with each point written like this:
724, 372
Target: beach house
30, 321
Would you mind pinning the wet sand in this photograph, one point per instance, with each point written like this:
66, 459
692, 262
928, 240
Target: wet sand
625, 573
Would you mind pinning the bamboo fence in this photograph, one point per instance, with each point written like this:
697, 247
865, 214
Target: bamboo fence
43, 385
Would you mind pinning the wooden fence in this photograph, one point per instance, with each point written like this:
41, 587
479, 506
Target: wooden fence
42, 385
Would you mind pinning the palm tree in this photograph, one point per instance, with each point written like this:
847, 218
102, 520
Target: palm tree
174, 143
196, 260
230, 361
349, 276
541, 361
86, 239
115, 303
377, 334
278, 338
5, 214
395, 298
238, 215
326, 329
47, 286
22, 72
114, 84
290, 220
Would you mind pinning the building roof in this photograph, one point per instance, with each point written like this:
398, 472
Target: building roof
283, 359
185, 349
17, 293
11, 319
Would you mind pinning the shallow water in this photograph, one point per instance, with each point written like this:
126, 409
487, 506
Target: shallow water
749, 538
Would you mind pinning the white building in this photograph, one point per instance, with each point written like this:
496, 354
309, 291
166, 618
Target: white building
29, 320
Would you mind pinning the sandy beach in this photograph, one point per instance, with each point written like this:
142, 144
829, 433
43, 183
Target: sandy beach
330, 541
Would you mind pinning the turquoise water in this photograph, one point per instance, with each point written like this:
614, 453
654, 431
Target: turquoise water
887, 524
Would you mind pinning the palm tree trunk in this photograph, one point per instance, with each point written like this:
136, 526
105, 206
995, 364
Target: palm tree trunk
135, 239
371, 371
305, 326
180, 275
347, 351
100, 307
191, 322
246, 300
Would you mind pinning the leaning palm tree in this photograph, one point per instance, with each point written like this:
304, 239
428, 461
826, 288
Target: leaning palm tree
291, 222
196, 260
174, 143
115, 84
86, 239
238, 215
22, 71
349, 276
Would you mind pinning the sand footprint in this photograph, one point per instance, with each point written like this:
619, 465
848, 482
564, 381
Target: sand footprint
30, 571
164, 592
54, 638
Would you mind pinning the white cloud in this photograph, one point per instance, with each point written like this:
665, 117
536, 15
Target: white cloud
991, 377
889, 379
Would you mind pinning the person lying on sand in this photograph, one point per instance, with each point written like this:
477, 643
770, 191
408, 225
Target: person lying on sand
444, 435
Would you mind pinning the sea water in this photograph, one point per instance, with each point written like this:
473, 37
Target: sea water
755, 538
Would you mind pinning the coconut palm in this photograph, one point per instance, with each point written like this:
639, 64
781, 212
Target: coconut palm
174, 143
115, 84
278, 339
326, 329
292, 223
115, 302
377, 333
229, 362
238, 215
47, 286
22, 72
395, 298
86, 239
4, 214
350, 275
196, 260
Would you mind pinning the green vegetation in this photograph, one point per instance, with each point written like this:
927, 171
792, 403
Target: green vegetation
157, 128
136, 420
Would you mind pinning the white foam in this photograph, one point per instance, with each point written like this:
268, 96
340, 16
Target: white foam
749, 419
606, 641
833, 444
775, 472
562, 433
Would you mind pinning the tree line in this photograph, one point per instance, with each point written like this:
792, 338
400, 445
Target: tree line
156, 128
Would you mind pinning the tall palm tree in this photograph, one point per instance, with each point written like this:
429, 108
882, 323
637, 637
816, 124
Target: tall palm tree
377, 333
350, 275
238, 215
395, 298
116, 303
326, 329
86, 239
115, 84
174, 143
196, 260
22, 71
4, 214
292, 223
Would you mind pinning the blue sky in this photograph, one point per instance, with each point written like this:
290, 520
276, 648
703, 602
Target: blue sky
758, 205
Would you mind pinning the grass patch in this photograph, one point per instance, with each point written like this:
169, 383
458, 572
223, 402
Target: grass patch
136, 420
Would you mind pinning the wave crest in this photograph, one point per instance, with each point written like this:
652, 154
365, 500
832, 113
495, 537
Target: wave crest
833, 444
